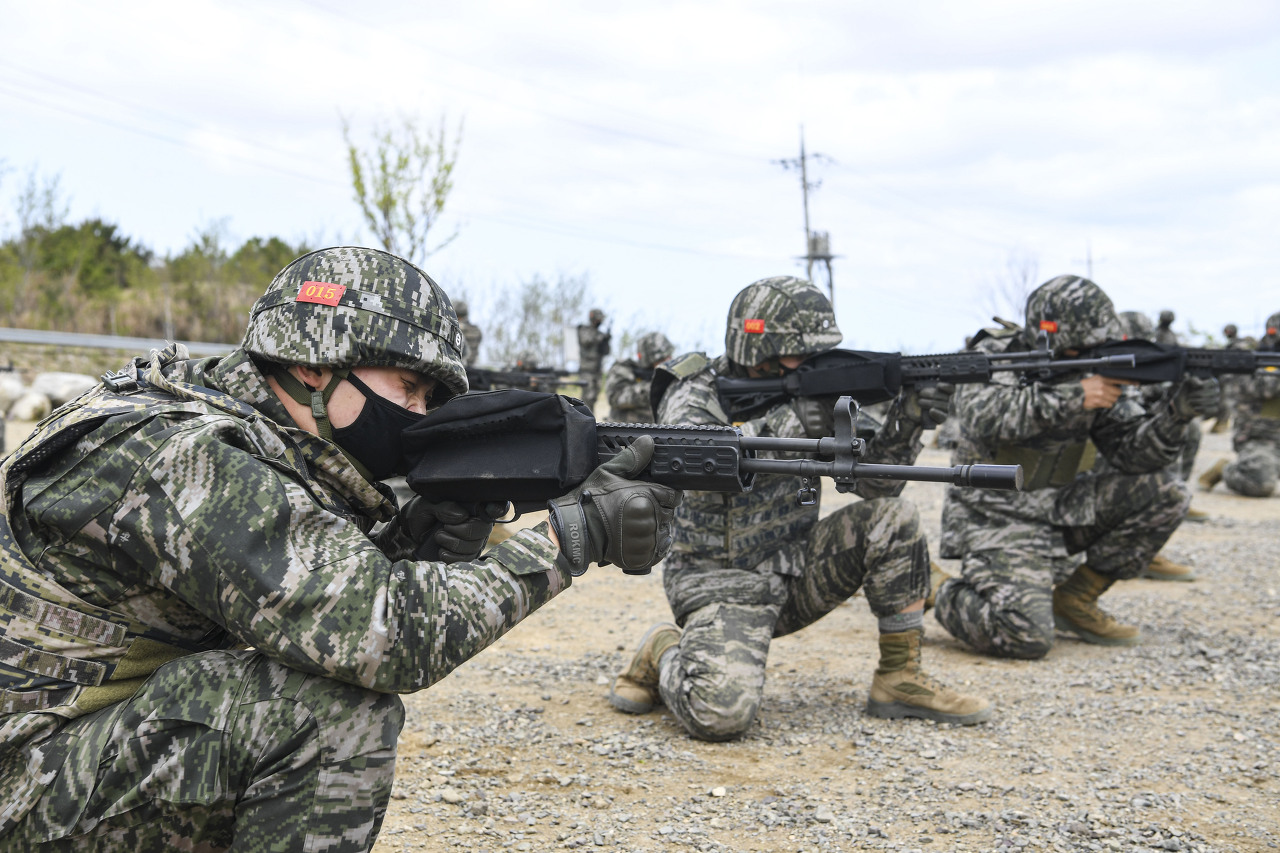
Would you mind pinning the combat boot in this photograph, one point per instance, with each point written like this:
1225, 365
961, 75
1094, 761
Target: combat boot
1196, 515
1162, 568
937, 577
1075, 609
635, 689
1219, 425
901, 688
1213, 476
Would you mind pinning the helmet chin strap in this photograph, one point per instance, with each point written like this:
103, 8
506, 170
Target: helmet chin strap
305, 395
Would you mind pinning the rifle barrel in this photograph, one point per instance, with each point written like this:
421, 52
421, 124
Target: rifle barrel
1007, 477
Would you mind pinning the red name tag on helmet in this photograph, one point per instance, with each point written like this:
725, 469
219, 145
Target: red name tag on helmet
755, 327
1272, 330
1050, 326
321, 292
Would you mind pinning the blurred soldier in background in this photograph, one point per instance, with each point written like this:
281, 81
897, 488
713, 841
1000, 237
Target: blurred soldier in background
1021, 577
749, 567
202, 635
1164, 331
471, 335
1232, 340
593, 346
1255, 431
629, 380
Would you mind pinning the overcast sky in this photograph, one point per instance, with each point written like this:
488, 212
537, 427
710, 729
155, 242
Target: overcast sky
637, 143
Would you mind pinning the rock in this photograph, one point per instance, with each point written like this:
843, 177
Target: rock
11, 388
31, 406
62, 387
719, 791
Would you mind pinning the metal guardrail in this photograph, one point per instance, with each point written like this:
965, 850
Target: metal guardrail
73, 339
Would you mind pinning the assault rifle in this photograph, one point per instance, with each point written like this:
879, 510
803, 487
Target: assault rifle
1155, 362
873, 377
492, 379
527, 448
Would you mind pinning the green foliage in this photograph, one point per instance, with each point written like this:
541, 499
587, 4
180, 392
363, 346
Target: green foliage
401, 183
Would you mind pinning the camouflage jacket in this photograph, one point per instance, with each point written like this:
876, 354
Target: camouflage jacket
471, 338
1256, 412
728, 545
1045, 423
627, 389
593, 346
186, 513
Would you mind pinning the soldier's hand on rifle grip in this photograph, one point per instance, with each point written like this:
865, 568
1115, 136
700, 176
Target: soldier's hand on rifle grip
1197, 396
1102, 392
817, 415
613, 518
447, 530
929, 404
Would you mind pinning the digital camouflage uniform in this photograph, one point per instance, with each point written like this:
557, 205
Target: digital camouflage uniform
1255, 433
745, 568
593, 346
154, 533
1139, 325
628, 382
1017, 545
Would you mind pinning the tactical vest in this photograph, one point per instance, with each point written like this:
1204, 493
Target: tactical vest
58, 653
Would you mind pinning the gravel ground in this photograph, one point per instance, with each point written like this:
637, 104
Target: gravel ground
1169, 745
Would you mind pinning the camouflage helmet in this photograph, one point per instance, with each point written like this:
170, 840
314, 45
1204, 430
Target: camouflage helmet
653, 349
595, 316
1074, 311
1166, 318
355, 307
1272, 337
1137, 325
783, 315
1230, 331
460, 308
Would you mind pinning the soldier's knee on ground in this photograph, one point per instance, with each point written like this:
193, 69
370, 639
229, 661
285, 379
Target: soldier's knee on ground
1254, 474
720, 722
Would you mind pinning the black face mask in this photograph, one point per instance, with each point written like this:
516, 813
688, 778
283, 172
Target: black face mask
373, 438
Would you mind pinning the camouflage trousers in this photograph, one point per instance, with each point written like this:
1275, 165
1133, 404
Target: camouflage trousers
1187, 458
713, 682
219, 751
1255, 471
1002, 603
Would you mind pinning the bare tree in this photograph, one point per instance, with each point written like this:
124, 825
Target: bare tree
401, 183
1006, 292
41, 211
534, 319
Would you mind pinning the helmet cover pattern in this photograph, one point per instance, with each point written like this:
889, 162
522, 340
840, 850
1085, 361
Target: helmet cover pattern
356, 307
1137, 325
1075, 312
778, 316
653, 348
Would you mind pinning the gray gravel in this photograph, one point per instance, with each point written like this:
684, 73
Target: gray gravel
1169, 745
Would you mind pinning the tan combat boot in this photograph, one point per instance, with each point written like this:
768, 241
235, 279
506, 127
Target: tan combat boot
1162, 568
1075, 609
1220, 425
901, 687
937, 577
635, 689
1196, 515
1213, 476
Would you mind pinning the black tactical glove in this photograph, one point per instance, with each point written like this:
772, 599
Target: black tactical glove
447, 530
611, 518
928, 405
817, 415
1196, 396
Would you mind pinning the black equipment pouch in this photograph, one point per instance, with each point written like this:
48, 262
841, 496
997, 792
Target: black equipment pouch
536, 444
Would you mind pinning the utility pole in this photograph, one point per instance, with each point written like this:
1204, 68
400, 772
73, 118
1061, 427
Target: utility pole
817, 243
1088, 260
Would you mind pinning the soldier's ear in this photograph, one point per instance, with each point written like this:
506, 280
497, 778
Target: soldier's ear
312, 377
